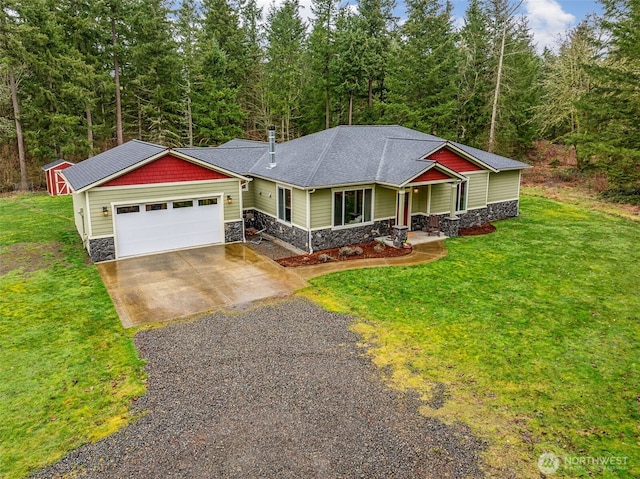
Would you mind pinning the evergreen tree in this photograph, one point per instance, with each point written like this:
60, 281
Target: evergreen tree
423, 77
188, 30
377, 23
611, 137
474, 87
350, 62
217, 115
285, 71
222, 24
321, 51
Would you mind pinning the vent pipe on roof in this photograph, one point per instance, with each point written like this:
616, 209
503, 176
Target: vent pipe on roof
272, 147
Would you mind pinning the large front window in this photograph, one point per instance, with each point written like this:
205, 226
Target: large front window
284, 204
352, 207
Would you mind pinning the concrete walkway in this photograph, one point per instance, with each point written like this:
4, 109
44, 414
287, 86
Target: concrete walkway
187, 283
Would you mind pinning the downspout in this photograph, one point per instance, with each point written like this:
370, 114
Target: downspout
309, 192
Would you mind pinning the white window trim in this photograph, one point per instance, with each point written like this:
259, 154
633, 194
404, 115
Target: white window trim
280, 220
333, 206
466, 196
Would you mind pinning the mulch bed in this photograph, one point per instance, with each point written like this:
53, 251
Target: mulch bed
368, 251
477, 230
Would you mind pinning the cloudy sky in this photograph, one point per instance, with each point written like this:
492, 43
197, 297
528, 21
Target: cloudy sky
547, 18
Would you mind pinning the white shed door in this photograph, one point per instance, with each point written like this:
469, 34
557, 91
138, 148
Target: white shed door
166, 225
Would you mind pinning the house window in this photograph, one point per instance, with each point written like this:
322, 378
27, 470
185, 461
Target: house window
284, 204
461, 197
155, 206
182, 204
121, 210
352, 206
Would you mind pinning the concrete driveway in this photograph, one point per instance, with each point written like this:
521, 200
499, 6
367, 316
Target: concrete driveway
184, 283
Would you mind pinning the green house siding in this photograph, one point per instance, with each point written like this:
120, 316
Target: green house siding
503, 186
384, 203
321, 209
103, 226
248, 200
440, 198
80, 219
419, 200
264, 196
477, 193
299, 206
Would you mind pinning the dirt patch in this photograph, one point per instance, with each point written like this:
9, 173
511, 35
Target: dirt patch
29, 256
371, 249
477, 230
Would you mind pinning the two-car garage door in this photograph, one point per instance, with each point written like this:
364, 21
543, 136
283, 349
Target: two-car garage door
164, 225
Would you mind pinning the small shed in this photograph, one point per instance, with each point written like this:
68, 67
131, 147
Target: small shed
56, 184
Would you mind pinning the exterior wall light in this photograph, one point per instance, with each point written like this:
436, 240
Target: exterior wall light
416, 191
105, 211
229, 199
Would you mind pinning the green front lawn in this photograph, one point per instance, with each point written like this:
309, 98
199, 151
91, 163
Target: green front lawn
529, 335
68, 371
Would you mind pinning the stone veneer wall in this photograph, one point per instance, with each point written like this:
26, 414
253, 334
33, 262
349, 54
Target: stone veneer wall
478, 217
102, 249
233, 232
320, 239
288, 233
335, 238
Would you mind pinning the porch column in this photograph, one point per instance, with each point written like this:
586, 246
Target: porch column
452, 204
402, 201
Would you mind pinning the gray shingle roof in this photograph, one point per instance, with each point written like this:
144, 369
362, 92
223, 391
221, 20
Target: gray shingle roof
339, 156
237, 156
359, 154
495, 161
48, 166
110, 162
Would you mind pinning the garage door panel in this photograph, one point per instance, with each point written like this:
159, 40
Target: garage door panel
163, 226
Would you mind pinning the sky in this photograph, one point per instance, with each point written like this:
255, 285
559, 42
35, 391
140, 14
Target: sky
548, 19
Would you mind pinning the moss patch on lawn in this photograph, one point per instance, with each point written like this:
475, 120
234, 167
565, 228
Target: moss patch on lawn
68, 370
529, 335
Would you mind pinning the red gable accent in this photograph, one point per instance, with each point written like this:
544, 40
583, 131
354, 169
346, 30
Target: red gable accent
167, 169
453, 161
431, 175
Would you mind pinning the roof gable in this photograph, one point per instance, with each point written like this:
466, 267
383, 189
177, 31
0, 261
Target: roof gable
166, 169
60, 164
453, 161
433, 174
107, 164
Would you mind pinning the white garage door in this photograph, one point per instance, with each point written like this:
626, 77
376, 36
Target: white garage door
165, 225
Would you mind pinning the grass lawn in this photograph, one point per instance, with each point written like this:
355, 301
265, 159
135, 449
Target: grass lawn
530, 335
68, 371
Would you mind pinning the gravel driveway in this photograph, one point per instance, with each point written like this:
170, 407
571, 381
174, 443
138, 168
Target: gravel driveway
275, 392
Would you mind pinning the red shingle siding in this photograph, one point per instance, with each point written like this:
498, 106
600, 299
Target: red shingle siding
167, 169
453, 161
431, 175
